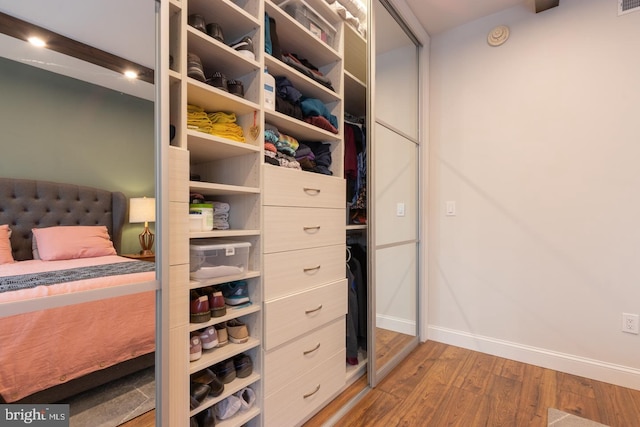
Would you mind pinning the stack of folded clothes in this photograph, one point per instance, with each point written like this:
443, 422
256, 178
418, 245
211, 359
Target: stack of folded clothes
291, 102
280, 149
224, 125
221, 215
197, 119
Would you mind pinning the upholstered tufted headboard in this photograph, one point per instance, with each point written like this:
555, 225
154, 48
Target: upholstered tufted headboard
27, 204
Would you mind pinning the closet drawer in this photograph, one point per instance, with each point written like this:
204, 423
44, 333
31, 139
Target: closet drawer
293, 360
287, 187
288, 317
290, 272
288, 229
301, 397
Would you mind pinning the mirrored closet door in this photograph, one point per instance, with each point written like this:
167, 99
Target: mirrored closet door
394, 164
70, 117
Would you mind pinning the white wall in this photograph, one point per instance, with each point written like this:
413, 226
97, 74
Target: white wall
538, 142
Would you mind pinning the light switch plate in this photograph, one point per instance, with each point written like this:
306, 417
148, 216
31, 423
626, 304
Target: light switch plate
400, 209
451, 208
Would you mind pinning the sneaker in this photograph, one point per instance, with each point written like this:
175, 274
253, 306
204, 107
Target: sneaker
199, 309
195, 348
228, 407
223, 335
194, 67
243, 365
225, 371
216, 304
247, 398
235, 293
238, 332
209, 338
244, 47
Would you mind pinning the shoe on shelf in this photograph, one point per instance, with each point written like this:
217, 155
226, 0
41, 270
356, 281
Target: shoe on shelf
194, 67
218, 80
200, 391
216, 304
235, 293
238, 332
199, 309
208, 377
223, 334
247, 398
197, 22
244, 47
215, 31
235, 87
228, 407
225, 371
206, 418
195, 348
243, 365
193, 422
209, 338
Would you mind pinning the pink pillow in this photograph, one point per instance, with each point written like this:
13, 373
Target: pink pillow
5, 245
70, 242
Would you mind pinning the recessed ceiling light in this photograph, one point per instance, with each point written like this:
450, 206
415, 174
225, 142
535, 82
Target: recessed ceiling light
37, 41
131, 74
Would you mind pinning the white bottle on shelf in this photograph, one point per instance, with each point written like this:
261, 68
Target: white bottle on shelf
269, 90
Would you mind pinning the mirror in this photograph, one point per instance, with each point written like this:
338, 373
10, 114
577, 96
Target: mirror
394, 236
68, 120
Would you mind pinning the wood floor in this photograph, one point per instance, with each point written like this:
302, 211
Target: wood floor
441, 385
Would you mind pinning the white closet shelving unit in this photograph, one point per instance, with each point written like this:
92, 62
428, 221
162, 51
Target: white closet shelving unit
228, 171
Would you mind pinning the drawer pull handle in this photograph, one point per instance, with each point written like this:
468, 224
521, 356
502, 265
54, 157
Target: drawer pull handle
312, 350
312, 393
306, 270
315, 191
315, 227
313, 310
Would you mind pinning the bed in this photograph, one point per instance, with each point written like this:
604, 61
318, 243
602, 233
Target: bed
49, 355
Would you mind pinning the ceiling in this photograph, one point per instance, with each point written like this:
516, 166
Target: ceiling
437, 16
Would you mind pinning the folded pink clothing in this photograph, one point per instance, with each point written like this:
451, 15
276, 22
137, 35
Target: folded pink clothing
322, 123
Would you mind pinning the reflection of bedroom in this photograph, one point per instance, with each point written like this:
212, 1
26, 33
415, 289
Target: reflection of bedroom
64, 130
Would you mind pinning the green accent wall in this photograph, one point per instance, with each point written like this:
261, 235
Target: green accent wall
56, 128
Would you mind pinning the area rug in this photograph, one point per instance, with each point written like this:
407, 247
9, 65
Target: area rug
557, 418
114, 403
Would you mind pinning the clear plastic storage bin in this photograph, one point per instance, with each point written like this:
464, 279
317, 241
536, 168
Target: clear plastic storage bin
311, 20
210, 258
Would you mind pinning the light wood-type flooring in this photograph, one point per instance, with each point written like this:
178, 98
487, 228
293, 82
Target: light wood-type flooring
441, 385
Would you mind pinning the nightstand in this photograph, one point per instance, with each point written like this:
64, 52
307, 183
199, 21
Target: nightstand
149, 258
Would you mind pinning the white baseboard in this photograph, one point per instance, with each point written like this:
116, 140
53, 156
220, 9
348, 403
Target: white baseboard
589, 368
396, 324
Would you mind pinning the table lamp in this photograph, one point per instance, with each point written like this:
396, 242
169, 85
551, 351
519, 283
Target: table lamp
143, 209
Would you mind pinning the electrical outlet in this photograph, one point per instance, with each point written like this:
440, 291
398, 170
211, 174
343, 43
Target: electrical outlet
630, 323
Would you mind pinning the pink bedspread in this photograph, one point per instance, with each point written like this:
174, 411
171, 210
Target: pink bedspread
45, 348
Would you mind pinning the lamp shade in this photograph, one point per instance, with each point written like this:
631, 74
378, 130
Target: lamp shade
142, 209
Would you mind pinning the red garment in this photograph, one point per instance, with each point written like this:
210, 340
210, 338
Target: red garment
350, 154
270, 147
322, 123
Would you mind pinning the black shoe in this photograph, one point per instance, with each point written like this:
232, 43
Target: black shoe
200, 391
225, 371
197, 22
206, 418
235, 87
215, 31
245, 47
203, 377
218, 80
243, 365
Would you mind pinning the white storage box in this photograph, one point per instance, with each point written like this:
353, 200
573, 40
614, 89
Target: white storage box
211, 258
